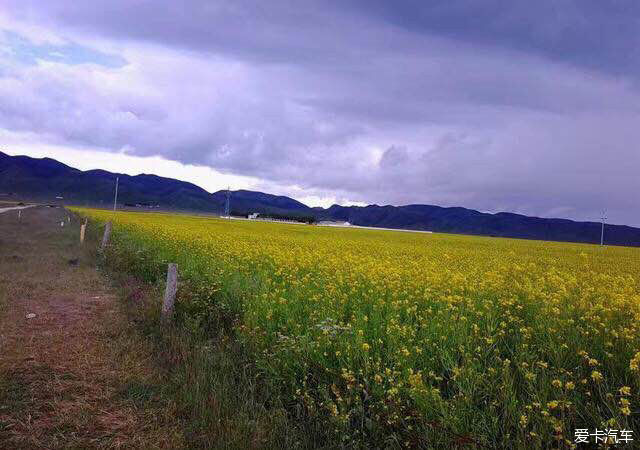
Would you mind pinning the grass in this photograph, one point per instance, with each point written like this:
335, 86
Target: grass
214, 384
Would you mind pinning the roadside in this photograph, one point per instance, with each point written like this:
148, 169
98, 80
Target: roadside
77, 374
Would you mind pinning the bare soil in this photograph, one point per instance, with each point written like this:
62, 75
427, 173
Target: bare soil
77, 375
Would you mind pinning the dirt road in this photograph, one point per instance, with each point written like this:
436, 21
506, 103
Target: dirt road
73, 372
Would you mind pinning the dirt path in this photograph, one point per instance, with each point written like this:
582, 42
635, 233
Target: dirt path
76, 375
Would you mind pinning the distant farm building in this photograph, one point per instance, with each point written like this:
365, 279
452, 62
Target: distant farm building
141, 205
253, 216
333, 223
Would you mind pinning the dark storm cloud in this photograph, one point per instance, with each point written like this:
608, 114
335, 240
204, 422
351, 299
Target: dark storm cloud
593, 33
520, 106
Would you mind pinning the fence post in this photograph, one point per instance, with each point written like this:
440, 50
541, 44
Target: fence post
82, 230
170, 291
106, 236
19, 215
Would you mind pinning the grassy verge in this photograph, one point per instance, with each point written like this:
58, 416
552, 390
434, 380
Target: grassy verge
209, 374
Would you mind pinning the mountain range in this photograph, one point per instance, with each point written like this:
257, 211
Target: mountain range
45, 179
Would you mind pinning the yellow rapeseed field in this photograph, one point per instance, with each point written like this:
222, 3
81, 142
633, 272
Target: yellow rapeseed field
413, 339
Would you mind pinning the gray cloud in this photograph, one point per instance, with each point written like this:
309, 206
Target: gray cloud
456, 103
394, 156
591, 33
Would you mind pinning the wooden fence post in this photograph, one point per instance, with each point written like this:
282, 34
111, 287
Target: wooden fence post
106, 236
83, 227
19, 215
170, 291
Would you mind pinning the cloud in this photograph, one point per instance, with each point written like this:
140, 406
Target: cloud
589, 33
393, 157
381, 104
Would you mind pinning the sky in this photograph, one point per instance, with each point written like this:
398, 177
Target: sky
528, 107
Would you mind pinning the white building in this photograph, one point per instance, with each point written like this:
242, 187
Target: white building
333, 223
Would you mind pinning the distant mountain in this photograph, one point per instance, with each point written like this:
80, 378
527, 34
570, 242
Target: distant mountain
468, 221
251, 201
45, 179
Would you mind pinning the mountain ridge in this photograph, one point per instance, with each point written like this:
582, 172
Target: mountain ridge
44, 179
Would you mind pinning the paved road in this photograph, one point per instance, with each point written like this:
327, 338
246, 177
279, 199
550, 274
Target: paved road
15, 207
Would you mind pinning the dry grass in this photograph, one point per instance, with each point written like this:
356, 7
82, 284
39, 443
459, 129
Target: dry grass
78, 375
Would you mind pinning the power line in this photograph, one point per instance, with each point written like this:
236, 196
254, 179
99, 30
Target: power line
603, 218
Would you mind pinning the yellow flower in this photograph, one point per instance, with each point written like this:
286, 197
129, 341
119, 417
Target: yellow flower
523, 421
365, 347
596, 376
634, 364
625, 390
552, 405
557, 383
570, 385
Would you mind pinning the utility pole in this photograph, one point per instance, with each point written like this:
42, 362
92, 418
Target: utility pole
115, 199
603, 218
227, 212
